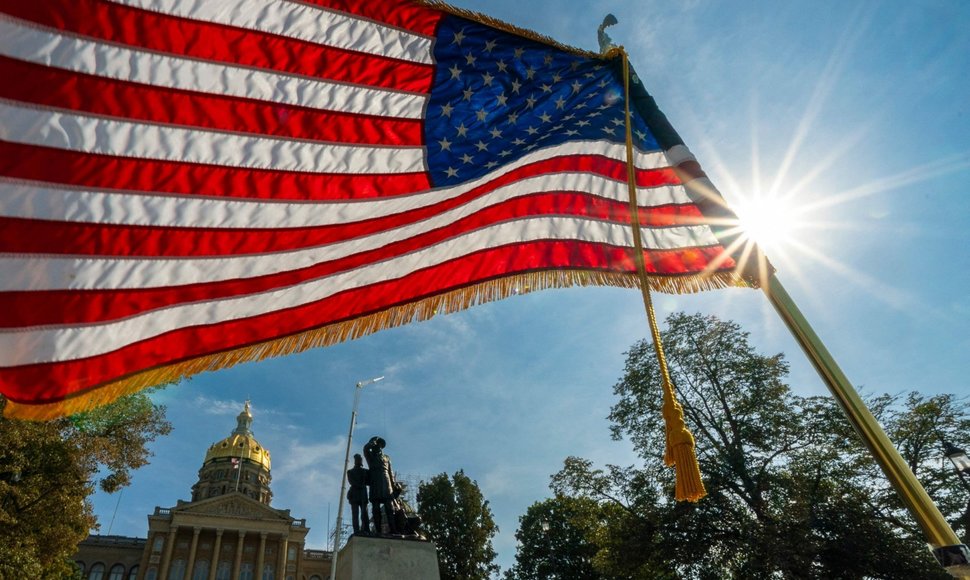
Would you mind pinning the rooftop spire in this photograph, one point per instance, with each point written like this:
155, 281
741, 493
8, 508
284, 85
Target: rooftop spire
244, 422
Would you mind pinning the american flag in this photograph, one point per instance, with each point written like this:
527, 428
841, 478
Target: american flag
185, 185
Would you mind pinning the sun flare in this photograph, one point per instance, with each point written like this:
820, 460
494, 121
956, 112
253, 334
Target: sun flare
769, 221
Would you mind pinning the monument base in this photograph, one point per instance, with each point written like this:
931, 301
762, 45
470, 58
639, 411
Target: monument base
365, 558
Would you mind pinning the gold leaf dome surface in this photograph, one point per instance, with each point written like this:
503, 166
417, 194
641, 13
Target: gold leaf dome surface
240, 443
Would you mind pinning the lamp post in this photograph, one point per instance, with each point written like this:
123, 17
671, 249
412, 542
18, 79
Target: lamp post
960, 462
343, 475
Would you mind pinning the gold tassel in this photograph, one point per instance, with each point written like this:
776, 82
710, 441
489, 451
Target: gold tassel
679, 450
680, 453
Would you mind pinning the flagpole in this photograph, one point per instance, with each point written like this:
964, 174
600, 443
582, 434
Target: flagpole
343, 476
946, 545
238, 470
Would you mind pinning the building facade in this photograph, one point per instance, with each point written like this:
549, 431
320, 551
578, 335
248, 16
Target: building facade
228, 531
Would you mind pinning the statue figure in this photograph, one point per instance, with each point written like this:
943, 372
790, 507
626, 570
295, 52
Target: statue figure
357, 495
408, 522
381, 484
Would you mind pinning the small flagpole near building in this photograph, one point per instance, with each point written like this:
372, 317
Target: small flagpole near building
343, 474
237, 465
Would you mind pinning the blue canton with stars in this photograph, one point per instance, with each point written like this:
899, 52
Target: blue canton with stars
497, 97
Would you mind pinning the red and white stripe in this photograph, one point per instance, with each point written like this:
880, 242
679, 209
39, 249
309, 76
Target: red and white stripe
180, 178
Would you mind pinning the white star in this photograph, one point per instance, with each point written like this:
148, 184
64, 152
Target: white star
577, 86
513, 118
468, 94
530, 101
529, 73
582, 123
546, 88
617, 122
505, 153
610, 130
575, 64
452, 172
466, 158
491, 164
547, 59
502, 67
459, 36
462, 131
556, 127
569, 117
482, 146
594, 114
560, 102
489, 45
470, 59
519, 52
481, 114
487, 78
446, 109
455, 71
556, 78
545, 118
531, 147
589, 75
531, 130
604, 106
602, 84
518, 141
502, 99
496, 133
445, 144
516, 85
642, 135
572, 132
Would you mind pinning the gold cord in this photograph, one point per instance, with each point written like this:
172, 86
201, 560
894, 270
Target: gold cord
679, 452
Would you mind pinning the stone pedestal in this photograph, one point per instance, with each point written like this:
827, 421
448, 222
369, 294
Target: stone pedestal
387, 559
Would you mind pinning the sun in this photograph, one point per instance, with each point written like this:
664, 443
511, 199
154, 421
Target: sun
769, 221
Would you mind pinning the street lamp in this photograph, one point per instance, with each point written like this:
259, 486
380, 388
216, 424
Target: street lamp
960, 461
343, 475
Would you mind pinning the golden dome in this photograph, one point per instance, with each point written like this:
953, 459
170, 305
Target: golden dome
240, 443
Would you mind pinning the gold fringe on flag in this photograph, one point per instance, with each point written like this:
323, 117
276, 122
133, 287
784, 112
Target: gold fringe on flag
420, 310
679, 452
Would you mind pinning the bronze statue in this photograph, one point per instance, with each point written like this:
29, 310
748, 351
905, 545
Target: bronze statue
357, 495
381, 484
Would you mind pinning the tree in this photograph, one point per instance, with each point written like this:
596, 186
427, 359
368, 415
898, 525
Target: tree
458, 520
554, 540
49, 468
791, 490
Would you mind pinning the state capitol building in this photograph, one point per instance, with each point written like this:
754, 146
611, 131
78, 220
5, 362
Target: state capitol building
228, 531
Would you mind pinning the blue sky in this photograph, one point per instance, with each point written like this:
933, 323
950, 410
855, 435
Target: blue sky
855, 116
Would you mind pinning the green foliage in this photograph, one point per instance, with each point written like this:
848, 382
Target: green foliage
49, 468
457, 518
792, 491
554, 540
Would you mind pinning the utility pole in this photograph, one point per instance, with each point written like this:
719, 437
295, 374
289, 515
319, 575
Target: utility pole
343, 474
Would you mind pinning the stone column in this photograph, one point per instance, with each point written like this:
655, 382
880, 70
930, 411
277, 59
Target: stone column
299, 561
281, 561
195, 544
260, 556
146, 556
216, 550
167, 557
239, 550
